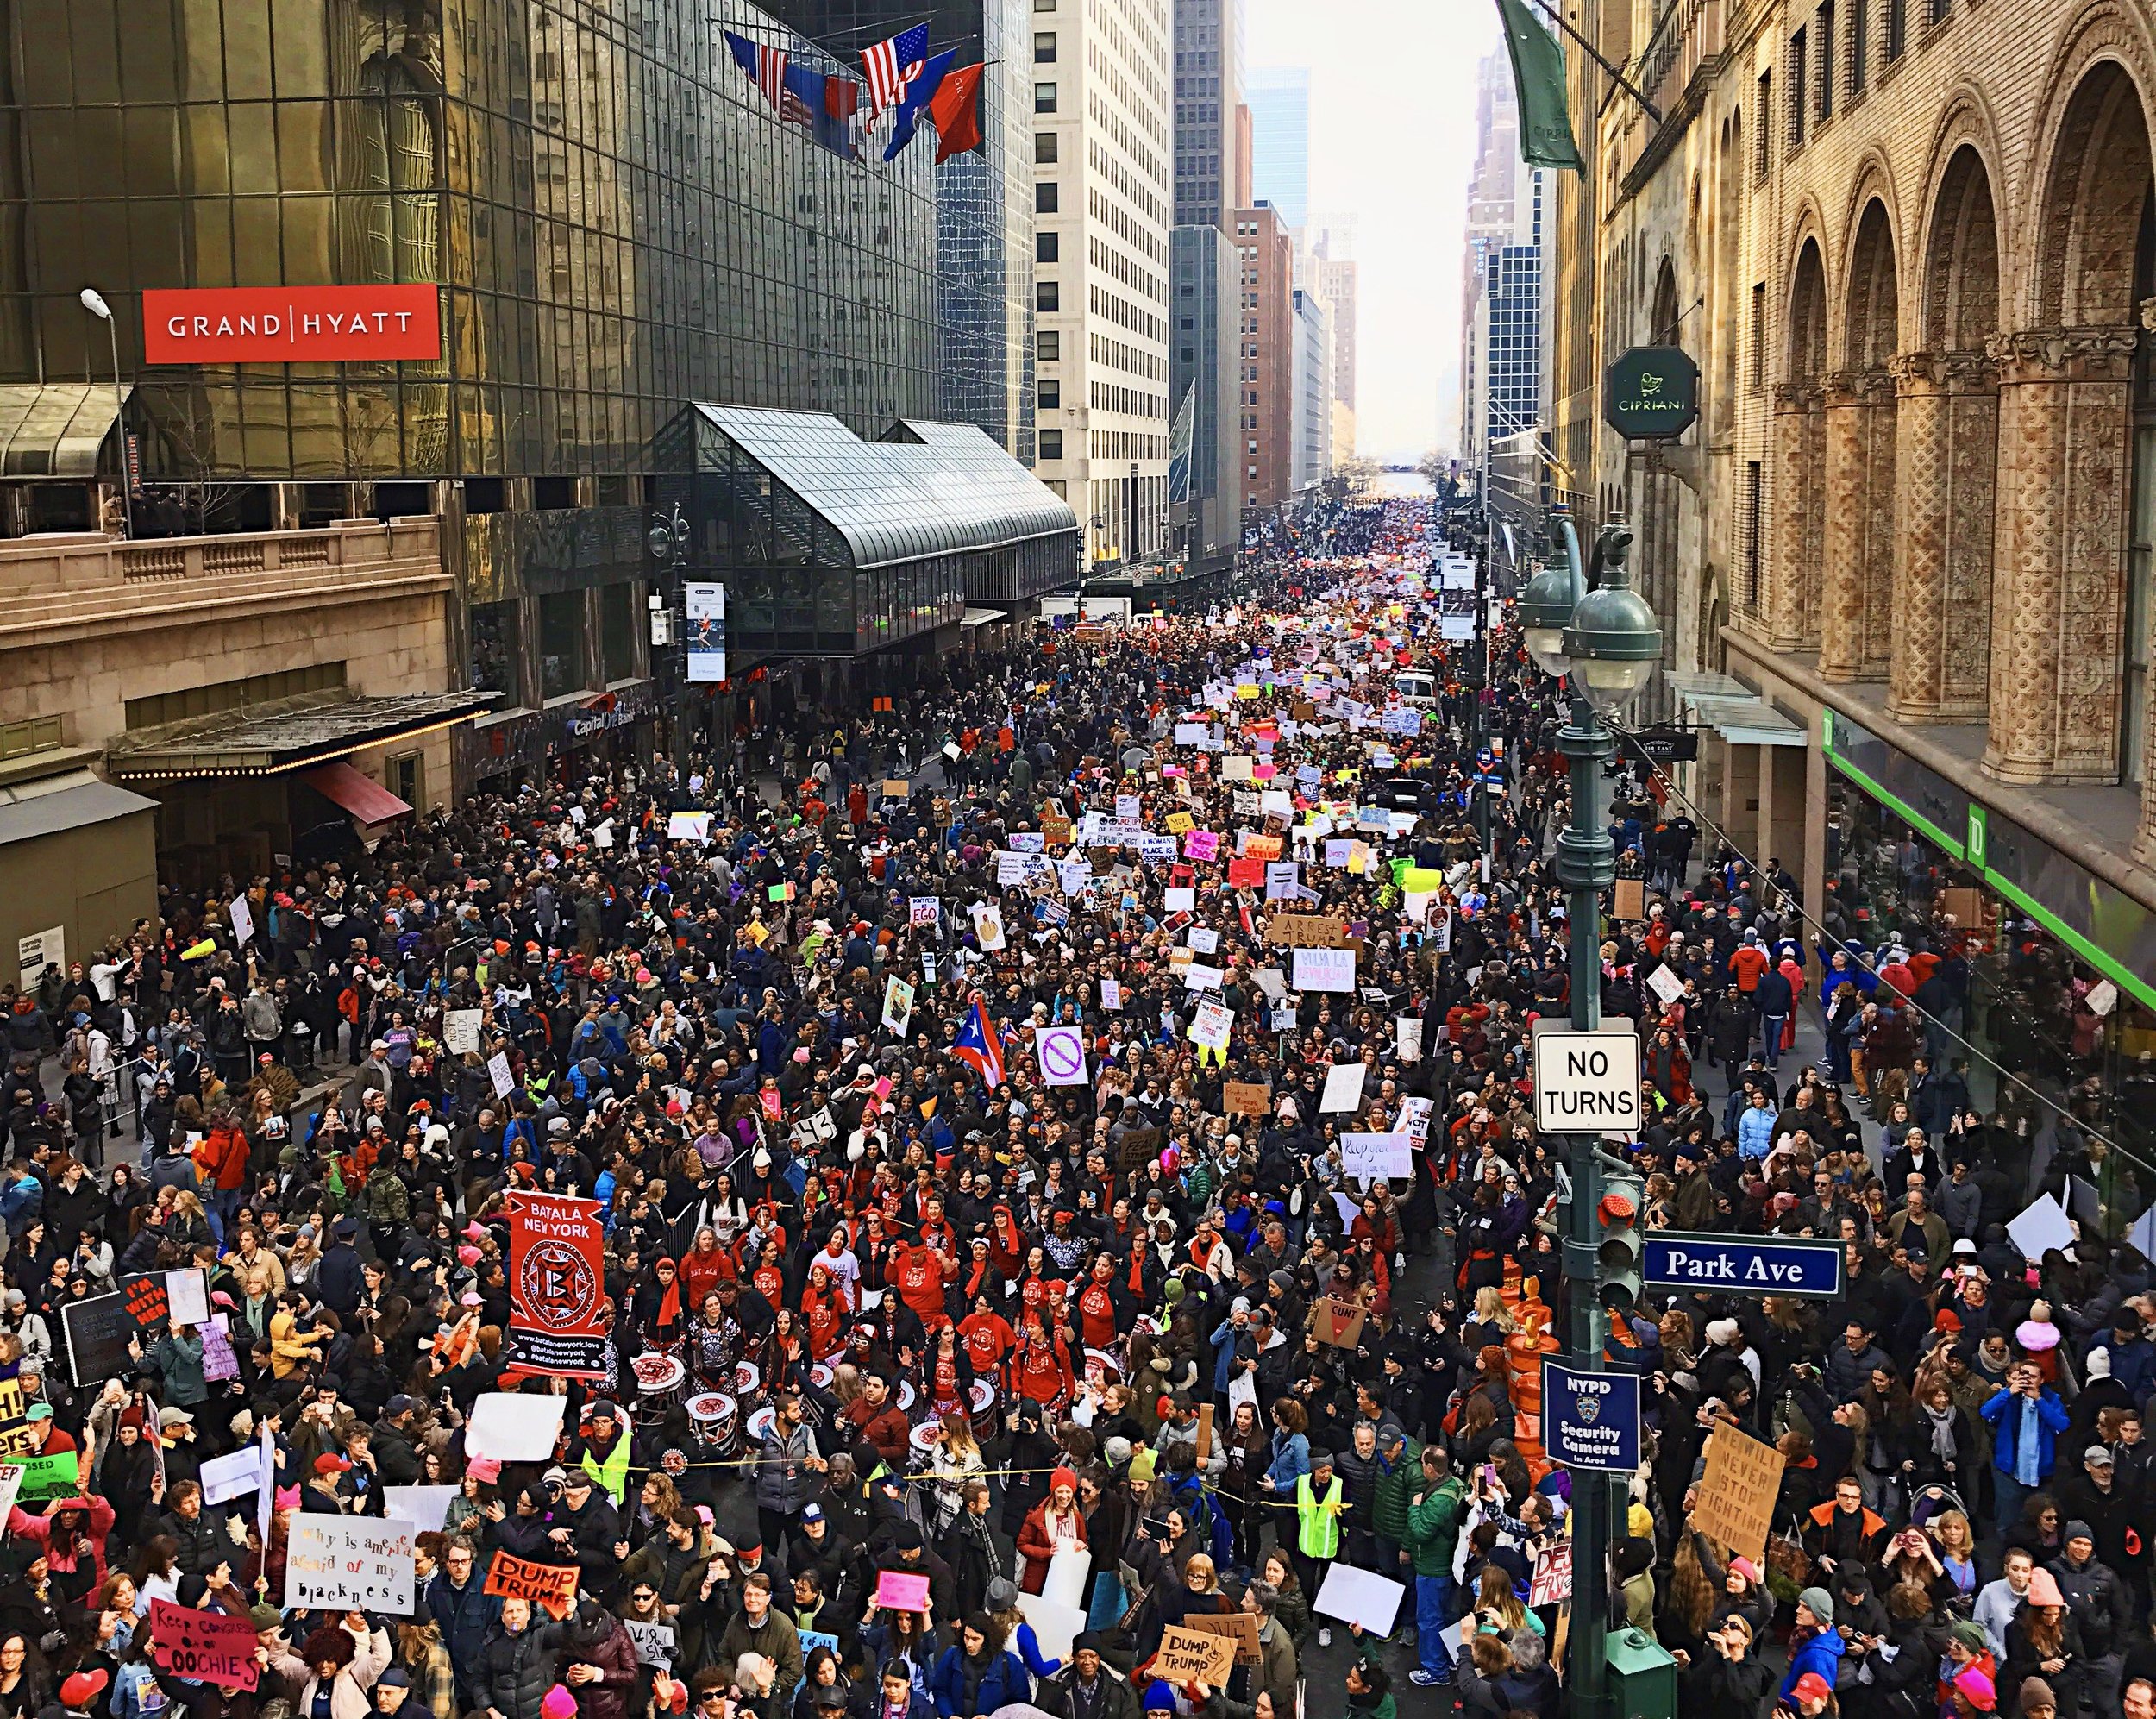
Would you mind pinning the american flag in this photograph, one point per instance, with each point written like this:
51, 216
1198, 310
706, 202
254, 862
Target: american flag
891, 65
767, 66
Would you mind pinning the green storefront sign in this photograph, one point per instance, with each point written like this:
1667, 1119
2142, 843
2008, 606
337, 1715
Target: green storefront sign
1652, 393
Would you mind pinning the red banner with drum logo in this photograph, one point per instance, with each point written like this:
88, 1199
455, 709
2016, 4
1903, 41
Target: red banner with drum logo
556, 1282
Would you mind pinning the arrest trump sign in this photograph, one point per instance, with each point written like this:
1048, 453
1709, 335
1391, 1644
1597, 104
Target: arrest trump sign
290, 324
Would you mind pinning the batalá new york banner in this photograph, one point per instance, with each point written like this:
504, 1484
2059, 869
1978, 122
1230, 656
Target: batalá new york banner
556, 1282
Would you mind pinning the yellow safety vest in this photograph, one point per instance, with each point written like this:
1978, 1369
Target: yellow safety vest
1320, 1533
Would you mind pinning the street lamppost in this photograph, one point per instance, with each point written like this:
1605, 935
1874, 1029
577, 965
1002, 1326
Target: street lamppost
94, 302
668, 543
1605, 642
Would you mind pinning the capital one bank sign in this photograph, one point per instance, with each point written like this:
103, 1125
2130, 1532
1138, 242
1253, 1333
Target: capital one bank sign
290, 325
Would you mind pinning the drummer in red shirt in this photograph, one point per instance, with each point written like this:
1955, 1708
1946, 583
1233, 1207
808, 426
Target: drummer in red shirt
1104, 1307
989, 1338
920, 1274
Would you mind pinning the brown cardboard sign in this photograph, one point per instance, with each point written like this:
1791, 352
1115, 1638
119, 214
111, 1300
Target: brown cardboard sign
1194, 1656
1306, 931
1339, 1323
1247, 1098
1631, 899
1240, 1624
1140, 1145
1737, 1491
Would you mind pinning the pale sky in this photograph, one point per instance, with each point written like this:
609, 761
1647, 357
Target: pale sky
1391, 143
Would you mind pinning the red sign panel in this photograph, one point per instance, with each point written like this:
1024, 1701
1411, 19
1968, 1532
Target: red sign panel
290, 324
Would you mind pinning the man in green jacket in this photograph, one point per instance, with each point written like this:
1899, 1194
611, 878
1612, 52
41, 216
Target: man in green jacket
1433, 1531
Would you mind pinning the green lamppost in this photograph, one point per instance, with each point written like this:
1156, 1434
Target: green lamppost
1606, 642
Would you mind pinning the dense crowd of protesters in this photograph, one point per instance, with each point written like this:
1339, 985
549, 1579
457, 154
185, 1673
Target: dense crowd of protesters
963, 1324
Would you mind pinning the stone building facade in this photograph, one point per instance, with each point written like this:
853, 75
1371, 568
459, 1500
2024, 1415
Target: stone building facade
1911, 245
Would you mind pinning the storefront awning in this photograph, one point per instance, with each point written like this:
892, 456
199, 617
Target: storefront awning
981, 618
270, 740
1733, 711
57, 804
366, 798
53, 430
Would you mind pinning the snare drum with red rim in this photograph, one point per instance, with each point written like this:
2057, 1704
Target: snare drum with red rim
921, 1445
984, 1400
748, 1382
760, 1422
709, 1412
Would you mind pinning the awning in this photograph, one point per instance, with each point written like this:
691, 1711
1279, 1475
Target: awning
57, 804
53, 430
366, 798
981, 617
268, 740
1733, 711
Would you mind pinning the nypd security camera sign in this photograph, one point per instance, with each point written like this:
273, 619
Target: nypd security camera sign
1590, 1420
1587, 1082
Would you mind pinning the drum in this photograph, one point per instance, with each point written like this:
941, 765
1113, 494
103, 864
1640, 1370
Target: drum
759, 1423
659, 1380
921, 1446
984, 1400
820, 1375
709, 1415
905, 1398
1101, 1368
748, 1382
725, 1423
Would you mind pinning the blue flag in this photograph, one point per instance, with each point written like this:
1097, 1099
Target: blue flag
919, 92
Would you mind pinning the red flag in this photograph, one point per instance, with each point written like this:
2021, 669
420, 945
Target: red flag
955, 109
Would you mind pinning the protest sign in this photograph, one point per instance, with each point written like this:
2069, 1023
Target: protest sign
1140, 1145
1343, 1087
234, 1476
1373, 1156
1212, 1025
1553, 1576
1192, 1655
1061, 1054
1246, 1098
1054, 1626
1355, 1595
1324, 969
556, 1285
209, 1646
460, 1031
551, 1585
1407, 1036
498, 1072
655, 1643
13, 1406
513, 1428
1306, 931
1240, 1626
898, 1591
19, 1440
898, 1005
350, 1563
10, 1486
988, 925
1737, 1491
426, 1508
49, 1475
1339, 1323
2040, 1228
187, 1297
922, 910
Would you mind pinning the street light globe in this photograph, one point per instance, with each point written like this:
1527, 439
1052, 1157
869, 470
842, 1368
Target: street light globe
1547, 646
1544, 609
1610, 685
1613, 638
93, 301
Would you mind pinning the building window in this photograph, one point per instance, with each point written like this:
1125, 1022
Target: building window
1897, 29
497, 650
1043, 98
1759, 335
1752, 487
1047, 296
1796, 90
1826, 29
618, 606
1051, 395
1051, 444
1044, 148
1044, 195
406, 776
1044, 47
1049, 344
1763, 134
561, 630
1043, 5
1046, 246
1859, 45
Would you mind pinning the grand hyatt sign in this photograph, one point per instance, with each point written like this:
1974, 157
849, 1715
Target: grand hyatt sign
290, 324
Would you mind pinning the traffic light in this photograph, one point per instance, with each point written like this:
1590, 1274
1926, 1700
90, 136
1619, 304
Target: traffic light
1619, 1241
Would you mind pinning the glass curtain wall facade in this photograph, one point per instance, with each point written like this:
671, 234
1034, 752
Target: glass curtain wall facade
984, 199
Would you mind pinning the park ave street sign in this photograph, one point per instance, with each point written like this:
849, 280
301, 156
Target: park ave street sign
1587, 1082
1743, 1265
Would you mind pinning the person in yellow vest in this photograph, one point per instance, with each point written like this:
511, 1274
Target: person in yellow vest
603, 1451
1320, 1500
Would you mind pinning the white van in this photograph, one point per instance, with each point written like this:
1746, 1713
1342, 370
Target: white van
1415, 688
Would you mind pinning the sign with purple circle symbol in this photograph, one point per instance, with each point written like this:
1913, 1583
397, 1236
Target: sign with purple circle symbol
1062, 1050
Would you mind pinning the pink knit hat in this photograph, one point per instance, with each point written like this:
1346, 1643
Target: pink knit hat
557, 1704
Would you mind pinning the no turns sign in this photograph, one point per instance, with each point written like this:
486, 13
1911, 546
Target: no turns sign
1587, 1082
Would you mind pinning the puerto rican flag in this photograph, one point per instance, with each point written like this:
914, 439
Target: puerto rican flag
978, 1045
890, 66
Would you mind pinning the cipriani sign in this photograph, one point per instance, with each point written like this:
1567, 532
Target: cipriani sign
290, 325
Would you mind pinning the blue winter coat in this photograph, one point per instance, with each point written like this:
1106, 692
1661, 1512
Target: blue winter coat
1005, 1683
1822, 1654
2006, 1430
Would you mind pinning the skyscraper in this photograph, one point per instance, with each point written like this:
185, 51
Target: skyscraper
1503, 350
1279, 101
1338, 284
1265, 406
1103, 189
1312, 391
984, 202
1208, 87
